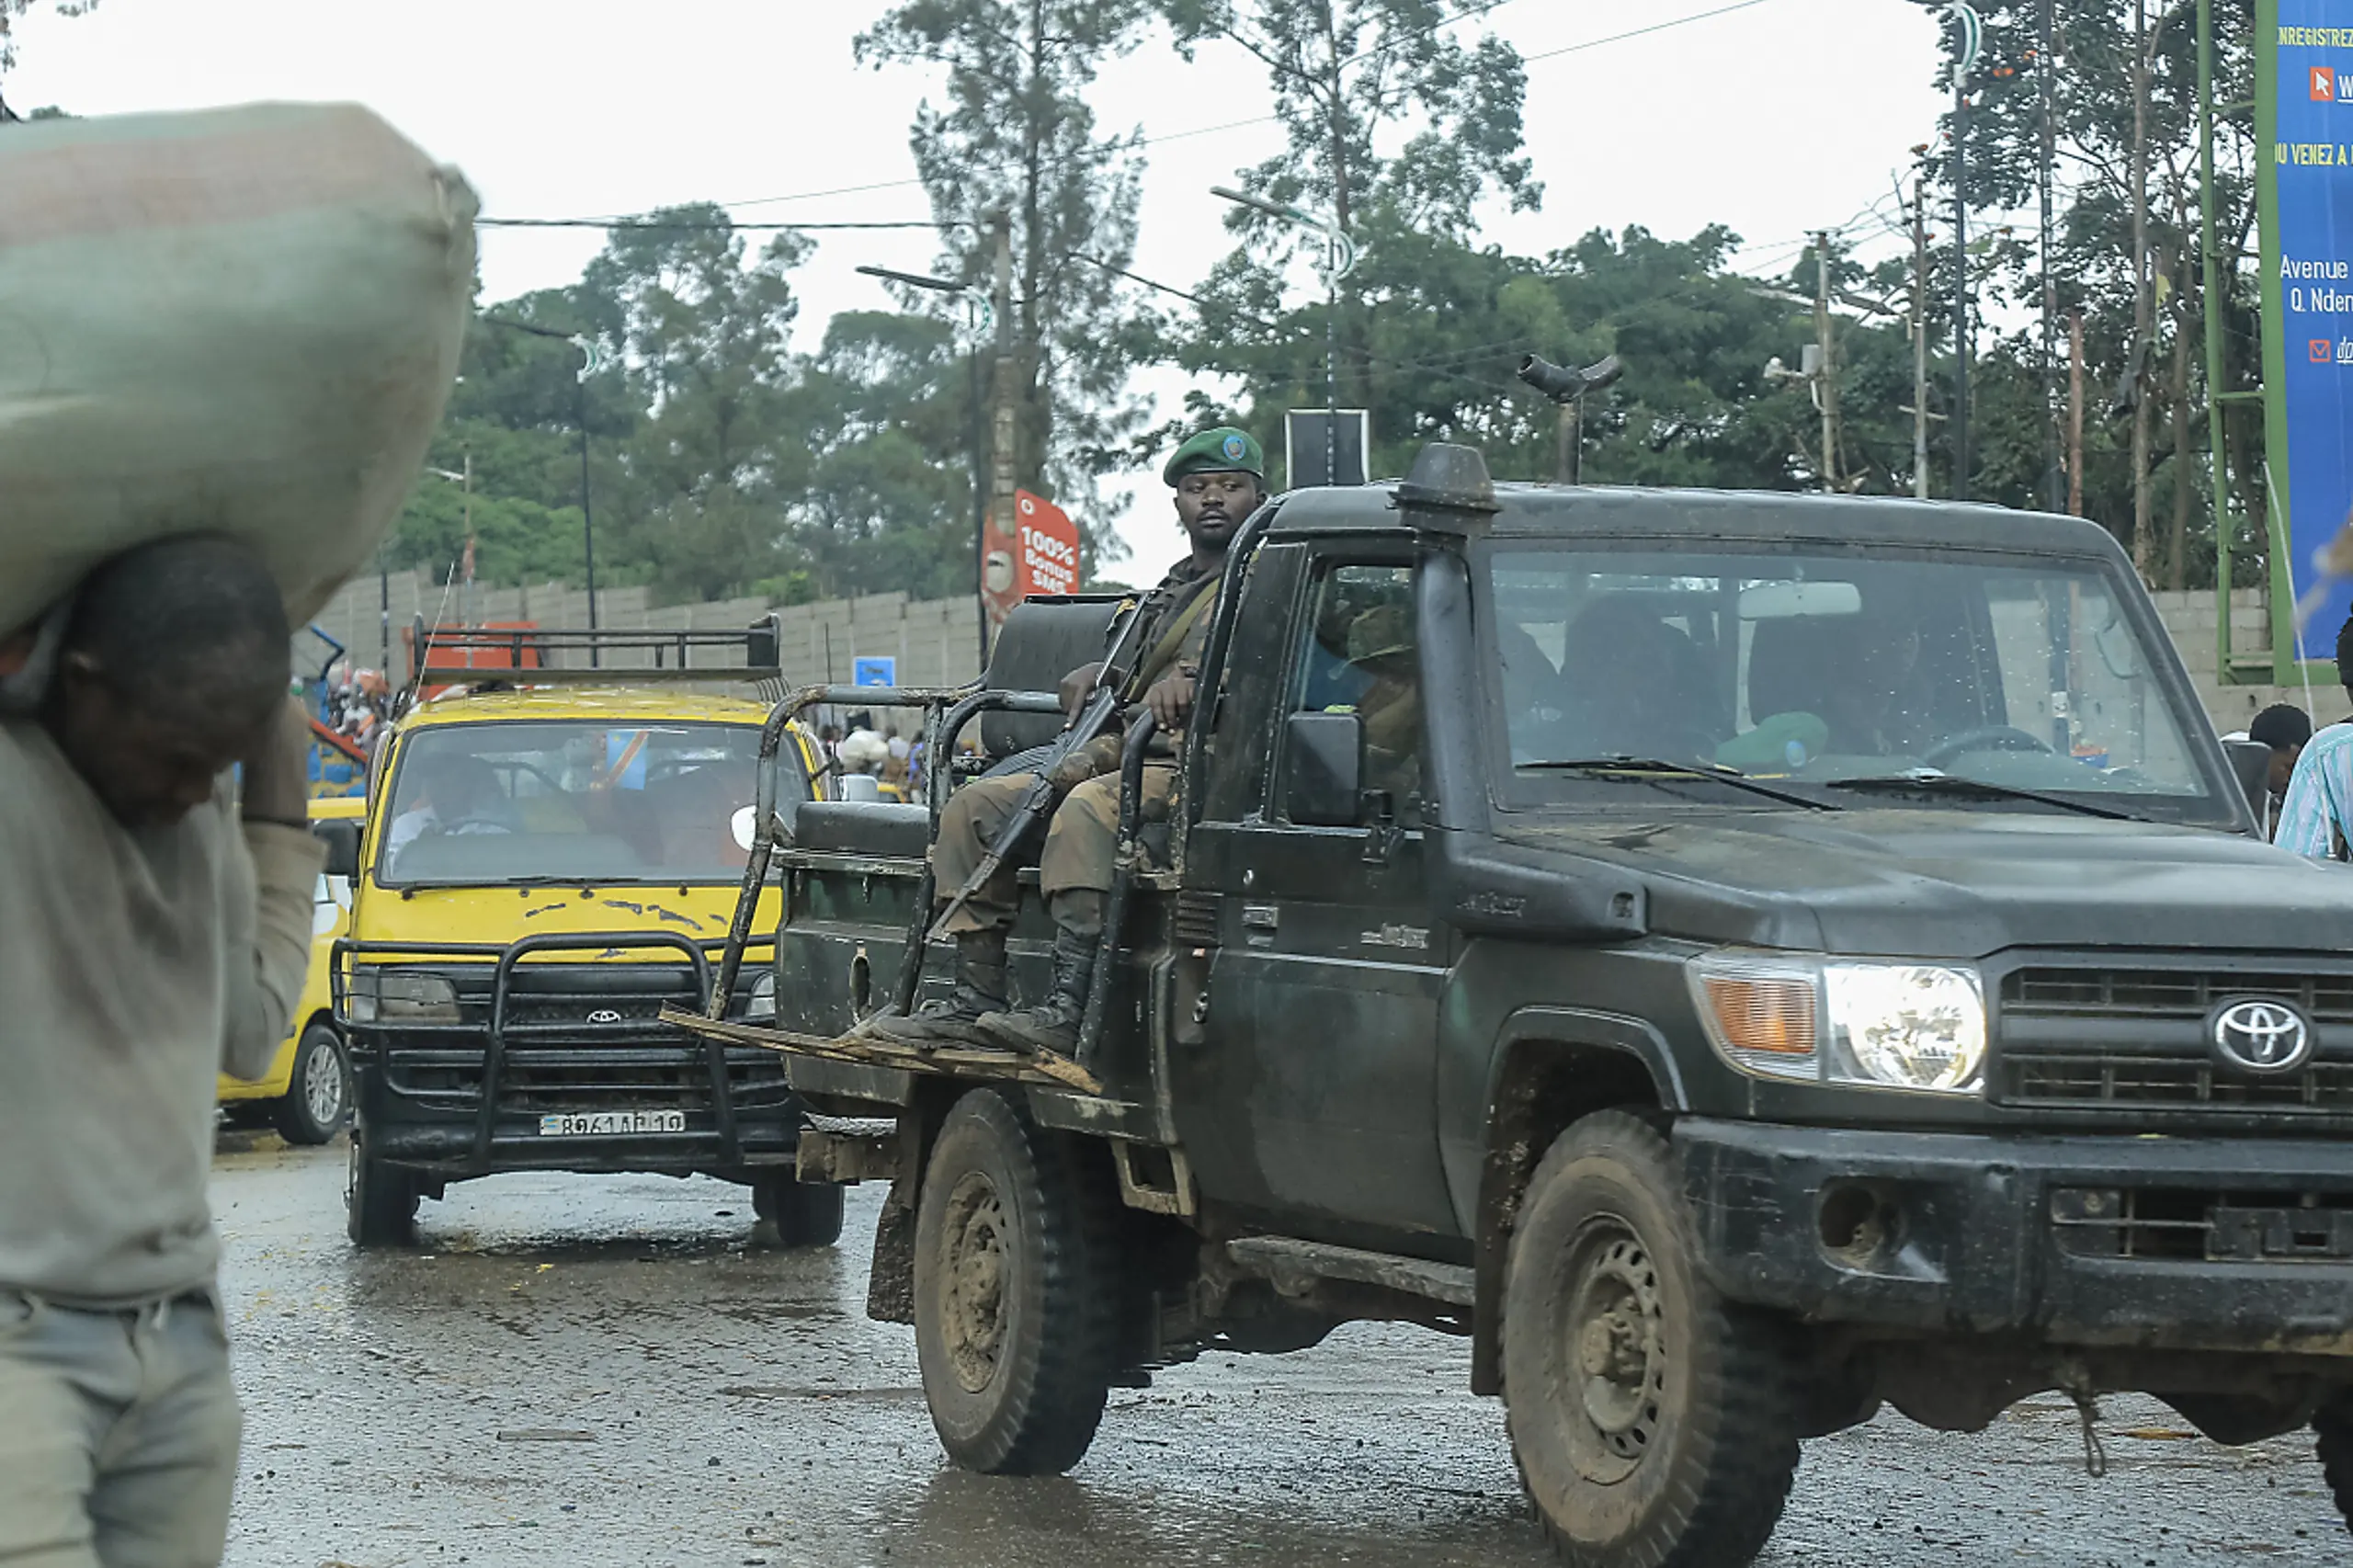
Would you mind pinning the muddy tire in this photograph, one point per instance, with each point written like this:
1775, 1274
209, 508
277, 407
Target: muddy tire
1654, 1422
805, 1213
380, 1200
318, 1100
2334, 1426
1014, 1291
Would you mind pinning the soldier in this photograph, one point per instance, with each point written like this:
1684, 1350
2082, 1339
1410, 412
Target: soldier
1220, 479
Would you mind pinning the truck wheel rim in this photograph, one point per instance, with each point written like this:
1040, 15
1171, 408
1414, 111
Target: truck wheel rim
972, 1315
323, 1087
1615, 1353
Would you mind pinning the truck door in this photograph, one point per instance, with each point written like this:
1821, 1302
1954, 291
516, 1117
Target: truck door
1326, 982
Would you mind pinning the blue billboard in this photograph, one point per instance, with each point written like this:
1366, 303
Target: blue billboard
2311, 248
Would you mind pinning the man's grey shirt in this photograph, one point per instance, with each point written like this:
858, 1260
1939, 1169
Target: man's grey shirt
134, 965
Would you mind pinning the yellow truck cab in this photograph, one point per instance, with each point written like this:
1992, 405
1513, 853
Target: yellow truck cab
547, 862
307, 1091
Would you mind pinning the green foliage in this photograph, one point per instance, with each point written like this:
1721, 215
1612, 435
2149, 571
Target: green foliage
1441, 329
1341, 71
720, 462
11, 9
2092, 82
1015, 139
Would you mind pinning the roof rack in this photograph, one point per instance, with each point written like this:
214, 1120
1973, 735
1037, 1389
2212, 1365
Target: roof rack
476, 655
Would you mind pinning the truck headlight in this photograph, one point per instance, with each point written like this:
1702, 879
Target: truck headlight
1908, 1025
1900, 1026
759, 1008
401, 996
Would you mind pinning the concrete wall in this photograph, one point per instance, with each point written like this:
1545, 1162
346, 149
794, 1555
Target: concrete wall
2189, 618
936, 642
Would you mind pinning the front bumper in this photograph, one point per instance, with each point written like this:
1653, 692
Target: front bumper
2159, 1243
534, 1040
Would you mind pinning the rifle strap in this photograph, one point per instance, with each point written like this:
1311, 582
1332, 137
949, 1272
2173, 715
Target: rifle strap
1172, 640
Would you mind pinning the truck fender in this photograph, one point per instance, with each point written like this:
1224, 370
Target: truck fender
1550, 1066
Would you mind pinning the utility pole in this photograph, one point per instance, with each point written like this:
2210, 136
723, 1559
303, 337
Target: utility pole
2075, 413
1004, 421
2045, 74
1919, 338
2143, 545
981, 313
588, 517
1959, 287
1970, 34
1826, 382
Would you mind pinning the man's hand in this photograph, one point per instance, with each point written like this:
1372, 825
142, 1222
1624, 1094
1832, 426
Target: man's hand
277, 772
1078, 685
1170, 700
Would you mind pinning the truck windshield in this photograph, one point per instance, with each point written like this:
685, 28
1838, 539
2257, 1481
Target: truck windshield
1823, 666
590, 801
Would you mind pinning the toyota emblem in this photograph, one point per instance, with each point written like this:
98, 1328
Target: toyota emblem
2259, 1034
604, 1016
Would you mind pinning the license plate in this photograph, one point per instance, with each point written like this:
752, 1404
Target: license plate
611, 1123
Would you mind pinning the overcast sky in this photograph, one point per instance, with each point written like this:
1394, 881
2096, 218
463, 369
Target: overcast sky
1774, 117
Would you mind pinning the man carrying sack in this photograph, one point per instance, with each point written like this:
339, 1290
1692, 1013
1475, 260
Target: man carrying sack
1219, 477
154, 927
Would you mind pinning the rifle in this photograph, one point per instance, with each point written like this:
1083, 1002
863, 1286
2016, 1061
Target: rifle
1119, 666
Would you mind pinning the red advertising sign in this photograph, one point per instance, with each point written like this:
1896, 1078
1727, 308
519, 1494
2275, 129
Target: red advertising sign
1038, 555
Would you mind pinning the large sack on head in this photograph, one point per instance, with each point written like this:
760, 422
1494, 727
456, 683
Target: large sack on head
243, 321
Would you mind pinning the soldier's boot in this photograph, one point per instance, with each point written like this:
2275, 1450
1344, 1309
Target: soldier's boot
1053, 1024
980, 991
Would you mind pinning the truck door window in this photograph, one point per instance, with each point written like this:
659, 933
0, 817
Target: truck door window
1356, 655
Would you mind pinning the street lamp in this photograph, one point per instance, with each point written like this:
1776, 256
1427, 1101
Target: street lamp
591, 359
1339, 260
1567, 388
983, 317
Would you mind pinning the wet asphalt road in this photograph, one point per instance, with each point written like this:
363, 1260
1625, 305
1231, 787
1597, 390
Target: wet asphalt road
600, 1372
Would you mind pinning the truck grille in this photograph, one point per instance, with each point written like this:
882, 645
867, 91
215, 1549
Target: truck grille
577, 1080
2189, 1226
2167, 994
2115, 1039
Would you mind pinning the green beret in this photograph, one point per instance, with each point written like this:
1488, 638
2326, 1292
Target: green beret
1221, 450
1780, 743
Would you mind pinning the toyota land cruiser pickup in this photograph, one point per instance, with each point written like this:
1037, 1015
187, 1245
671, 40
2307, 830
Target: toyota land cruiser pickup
1740, 958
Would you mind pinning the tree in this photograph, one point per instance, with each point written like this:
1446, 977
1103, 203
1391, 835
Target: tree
1347, 75
888, 406
1694, 407
10, 10
1344, 71
705, 340
2143, 339
1016, 138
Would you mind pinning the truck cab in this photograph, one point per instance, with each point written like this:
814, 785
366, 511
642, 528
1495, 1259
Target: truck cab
1743, 959
544, 867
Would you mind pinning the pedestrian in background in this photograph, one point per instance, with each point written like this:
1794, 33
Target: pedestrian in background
2287, 730
2319, 803
155, 928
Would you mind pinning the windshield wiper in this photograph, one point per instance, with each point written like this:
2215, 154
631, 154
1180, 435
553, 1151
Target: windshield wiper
1935, 781
1658, 768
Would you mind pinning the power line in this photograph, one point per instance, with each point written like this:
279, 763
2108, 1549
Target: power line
705, 228
1163, 138
1640, 32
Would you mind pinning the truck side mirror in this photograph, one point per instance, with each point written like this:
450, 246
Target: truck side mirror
342, 839
1323, 770
2251, 764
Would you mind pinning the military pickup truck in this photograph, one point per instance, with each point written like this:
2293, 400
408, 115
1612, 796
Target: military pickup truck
1741, 960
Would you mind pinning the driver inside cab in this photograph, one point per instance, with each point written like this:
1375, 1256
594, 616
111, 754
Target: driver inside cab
455, 795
